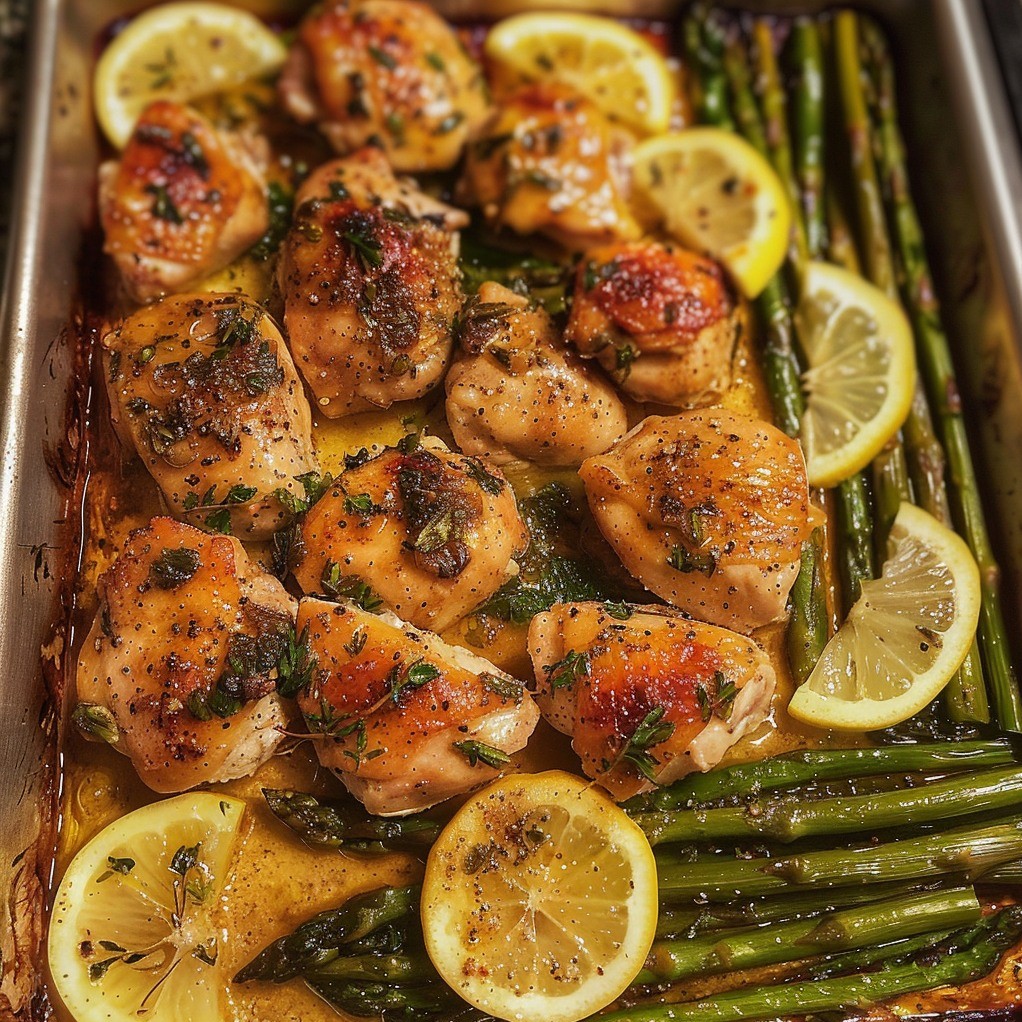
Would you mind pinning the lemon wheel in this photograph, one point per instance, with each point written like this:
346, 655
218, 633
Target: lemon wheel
540, 899
181, 52
131, 934
715, 193
615, 67
905, 636
861, 371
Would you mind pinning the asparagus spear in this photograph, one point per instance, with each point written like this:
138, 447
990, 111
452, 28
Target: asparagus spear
970, 850
394, 1003
320, 939
335, 825
703, 36
807, 59
860, 927
690, 922
788, 818
808, 765
782, 1000
938, 371
890, 469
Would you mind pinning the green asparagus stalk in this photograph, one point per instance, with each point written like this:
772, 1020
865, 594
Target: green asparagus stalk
818, 765
890, 469
703, 36
808, 144
969, 850
395, 1003
692, 921
336, 825
851, 928
789, 818
783, 1000
320, 939
778, 141
405, 968
938, 372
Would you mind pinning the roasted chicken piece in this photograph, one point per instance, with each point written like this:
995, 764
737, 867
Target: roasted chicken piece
708, 510
549, 162
646, 695
388, 70
371, 285
403, 718
516, 393
183, 201
204, 389
432, 533
661, 320
179, 668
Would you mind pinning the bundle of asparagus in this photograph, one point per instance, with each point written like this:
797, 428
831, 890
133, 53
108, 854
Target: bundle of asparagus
833, 910
892, 251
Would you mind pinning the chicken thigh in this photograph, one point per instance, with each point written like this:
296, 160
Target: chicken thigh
404, 719
183, 201
659, 319
204, 389
516, 393
708, 510
432, 533
549, 162
646, 695
389, 70
371, 285
181, 660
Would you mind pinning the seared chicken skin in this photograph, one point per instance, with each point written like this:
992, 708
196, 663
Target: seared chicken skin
183, 201
183, 656
646, 695
432, 532
549, 162
708, 510
388, 70
659, 319
406, 720
516, 393
371, 285
204, 389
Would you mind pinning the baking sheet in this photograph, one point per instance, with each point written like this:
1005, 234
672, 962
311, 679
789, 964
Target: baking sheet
968, 175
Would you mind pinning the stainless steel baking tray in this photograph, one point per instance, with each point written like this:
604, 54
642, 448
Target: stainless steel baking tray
967, 174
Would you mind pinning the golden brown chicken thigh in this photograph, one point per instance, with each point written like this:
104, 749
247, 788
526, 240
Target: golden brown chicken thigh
204, 389
182, 657
549, 162
659, 319
183, 201
708, 510
515, 392
646, 695
406, 720
386, 70
432, 532
371, 285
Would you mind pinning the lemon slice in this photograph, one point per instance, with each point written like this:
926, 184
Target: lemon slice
540, 899
861, 374
905, 636
179, 51
610, 64
131, 934
715, 193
